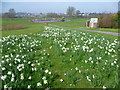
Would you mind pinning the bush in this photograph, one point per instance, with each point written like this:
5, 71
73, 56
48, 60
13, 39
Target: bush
115, 21
105, 21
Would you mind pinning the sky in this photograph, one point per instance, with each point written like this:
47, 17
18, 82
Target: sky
38, 6
60, 0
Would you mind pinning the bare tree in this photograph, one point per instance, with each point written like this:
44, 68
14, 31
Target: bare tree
11, 13
71, 11
77, 13
105, 21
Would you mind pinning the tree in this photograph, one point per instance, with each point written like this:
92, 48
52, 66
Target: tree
105, 21
70, 11
118, 18
52, 15
77, 13
5, 15
115, 21
119, 6
12, 13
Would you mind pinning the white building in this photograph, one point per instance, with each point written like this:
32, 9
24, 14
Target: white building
93, 23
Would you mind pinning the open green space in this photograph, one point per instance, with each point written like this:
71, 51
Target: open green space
33, 27
49, 57
59, 58
80, 23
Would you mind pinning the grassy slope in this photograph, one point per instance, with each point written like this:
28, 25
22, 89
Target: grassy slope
59, 67
31, 26
80, 23
74, 23
38, 27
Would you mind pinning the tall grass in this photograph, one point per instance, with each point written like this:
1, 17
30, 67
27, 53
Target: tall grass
14, 27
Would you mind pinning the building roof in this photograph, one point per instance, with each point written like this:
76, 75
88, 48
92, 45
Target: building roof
94, 20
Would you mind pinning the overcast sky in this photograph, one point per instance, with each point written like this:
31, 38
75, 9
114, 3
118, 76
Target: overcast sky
38, 6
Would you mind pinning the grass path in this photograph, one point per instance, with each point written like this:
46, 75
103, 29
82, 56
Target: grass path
111, 33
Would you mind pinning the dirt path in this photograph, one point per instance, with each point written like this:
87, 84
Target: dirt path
111, 33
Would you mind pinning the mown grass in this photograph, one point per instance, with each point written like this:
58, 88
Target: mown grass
80, 23
103, 29
74, 23
33, 27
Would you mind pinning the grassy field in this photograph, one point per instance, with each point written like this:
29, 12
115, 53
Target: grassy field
49, 57
32, 27
80, 23
103, 29
58, 58
74, 23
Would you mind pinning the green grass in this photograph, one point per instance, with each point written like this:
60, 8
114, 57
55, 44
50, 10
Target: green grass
16, 21
74, 23
32, 29
31, 26
59, 62
47, 48
80, 23
102, 34
103, 29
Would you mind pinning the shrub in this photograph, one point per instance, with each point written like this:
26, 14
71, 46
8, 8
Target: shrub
108, 21
105, 21
115, 21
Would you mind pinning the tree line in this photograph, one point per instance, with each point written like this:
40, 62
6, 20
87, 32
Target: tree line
106, 20
70, 12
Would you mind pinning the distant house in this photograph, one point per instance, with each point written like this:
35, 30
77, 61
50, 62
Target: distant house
93, 23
